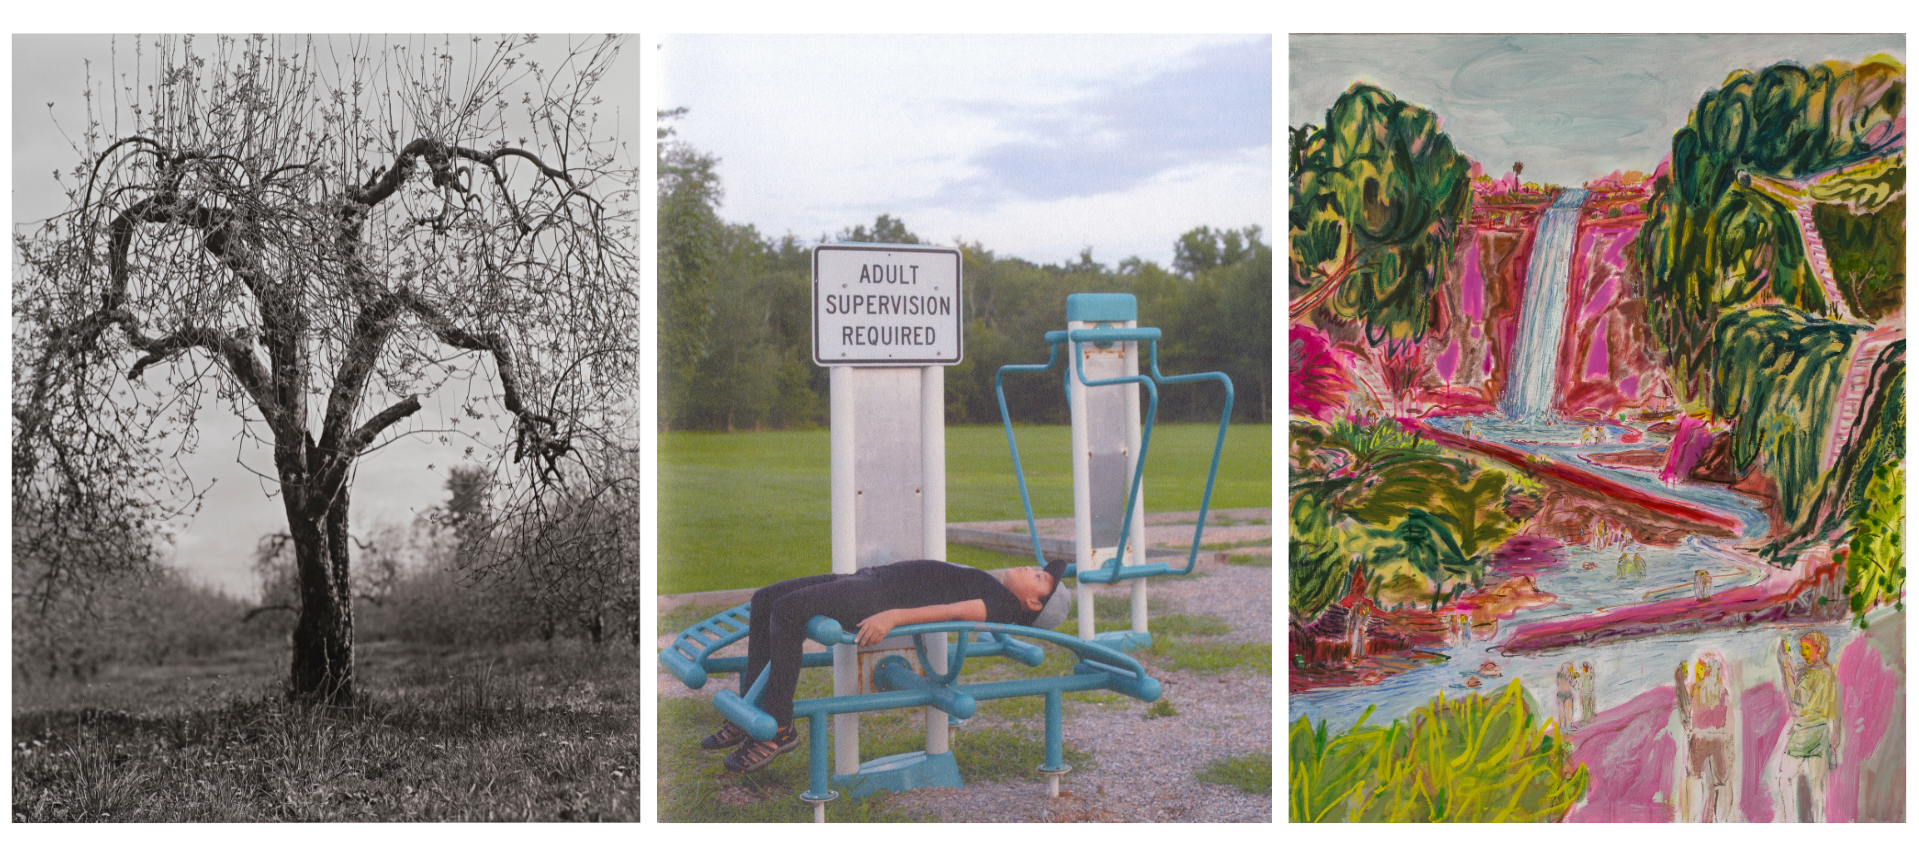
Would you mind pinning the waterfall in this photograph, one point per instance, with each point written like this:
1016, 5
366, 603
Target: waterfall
1531, 383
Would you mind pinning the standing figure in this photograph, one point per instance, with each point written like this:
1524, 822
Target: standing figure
1356, 632
1705, 710
1563, 691
1587, 696
1812, 743
1701, 585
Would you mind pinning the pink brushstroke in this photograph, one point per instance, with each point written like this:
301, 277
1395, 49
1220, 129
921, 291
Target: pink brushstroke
1629, 387
1472, 290
1447, 363
1868, 696
1689, 442
1316, 373
1762, 722
1629, 757
1601, 300
1598, 363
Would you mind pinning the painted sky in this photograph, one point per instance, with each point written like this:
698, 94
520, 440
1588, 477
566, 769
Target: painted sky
1035, 146
402, 478
1570, 107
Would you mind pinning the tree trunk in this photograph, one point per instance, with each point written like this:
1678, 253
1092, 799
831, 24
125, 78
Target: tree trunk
323, 640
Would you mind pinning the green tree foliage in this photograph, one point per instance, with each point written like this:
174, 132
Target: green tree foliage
689, 194
1318, 572
1713, 242
1378, 195
1876, 565
1777, 377
1868, 251
736, 318
886, 229
1373, 494
1481, 758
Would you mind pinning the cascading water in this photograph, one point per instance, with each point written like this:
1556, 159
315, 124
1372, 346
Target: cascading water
1531, 383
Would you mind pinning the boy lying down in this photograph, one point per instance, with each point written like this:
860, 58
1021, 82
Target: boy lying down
878, 599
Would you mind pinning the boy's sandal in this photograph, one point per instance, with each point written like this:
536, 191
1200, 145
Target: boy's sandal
756, 755
728, 736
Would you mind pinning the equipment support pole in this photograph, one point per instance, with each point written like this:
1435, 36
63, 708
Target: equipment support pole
846, 660
933, 522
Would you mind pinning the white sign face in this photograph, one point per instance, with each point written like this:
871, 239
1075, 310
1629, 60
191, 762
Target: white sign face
886, 305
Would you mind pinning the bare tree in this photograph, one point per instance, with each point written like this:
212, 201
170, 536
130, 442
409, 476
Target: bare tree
571, 550
320, 233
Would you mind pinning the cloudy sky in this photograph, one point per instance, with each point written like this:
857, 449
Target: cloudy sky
1035, 146
404, 477
1570, 107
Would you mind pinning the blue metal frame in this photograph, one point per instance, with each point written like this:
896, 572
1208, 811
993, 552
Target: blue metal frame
1111, 571
1097, 667
690, 659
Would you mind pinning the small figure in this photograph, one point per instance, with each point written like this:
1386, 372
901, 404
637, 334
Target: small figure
1701, 585
1587, 698
1705, 712
1356, 632
1563, 691
1812, 741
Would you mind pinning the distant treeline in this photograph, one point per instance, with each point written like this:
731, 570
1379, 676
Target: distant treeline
736, 317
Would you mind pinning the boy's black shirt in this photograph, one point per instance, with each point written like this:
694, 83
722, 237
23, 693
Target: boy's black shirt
927, 582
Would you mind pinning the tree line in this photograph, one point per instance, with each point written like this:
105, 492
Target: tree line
735, 316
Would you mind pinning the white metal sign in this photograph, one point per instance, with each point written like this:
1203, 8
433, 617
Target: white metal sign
891, 305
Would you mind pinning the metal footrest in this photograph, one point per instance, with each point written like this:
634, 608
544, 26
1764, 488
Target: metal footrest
1113, 572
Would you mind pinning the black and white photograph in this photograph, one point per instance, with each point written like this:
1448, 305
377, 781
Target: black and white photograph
325, 448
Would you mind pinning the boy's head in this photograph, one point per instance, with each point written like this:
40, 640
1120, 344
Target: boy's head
1035, 589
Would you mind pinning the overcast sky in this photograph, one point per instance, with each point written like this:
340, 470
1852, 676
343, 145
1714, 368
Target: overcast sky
1035, 146
1569, 107
396, 482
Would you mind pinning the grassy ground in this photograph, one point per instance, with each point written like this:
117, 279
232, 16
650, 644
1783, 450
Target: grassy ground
528, 732
743, 510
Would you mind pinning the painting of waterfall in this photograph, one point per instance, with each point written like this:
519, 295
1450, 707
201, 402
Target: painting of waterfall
1597, 426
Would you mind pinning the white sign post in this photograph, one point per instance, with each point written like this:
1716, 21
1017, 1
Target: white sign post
887, 320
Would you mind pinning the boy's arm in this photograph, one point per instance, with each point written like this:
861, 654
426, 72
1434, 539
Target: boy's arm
876, 626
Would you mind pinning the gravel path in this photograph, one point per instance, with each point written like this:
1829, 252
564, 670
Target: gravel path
1142, 769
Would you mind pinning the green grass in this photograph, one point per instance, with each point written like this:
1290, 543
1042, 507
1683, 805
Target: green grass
521, 733
743, 510
1208, 657
695, 787
1251, 773
687, 616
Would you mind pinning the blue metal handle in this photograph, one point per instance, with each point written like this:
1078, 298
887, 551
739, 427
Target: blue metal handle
823, 629
1219, 444
1113, 571
1006, 419
1111, 335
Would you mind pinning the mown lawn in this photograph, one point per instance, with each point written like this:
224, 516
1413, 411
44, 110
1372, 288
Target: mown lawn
532, 732
746, 509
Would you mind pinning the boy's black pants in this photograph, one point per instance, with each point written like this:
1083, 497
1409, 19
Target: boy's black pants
777, 629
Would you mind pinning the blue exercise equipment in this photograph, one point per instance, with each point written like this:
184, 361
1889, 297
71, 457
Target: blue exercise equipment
690, 659
1107, 322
